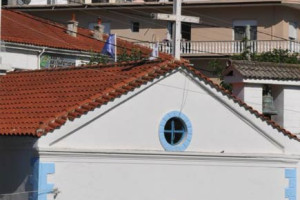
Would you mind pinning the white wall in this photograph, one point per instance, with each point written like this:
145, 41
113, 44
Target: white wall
292, 109
130, 177
249, 93
134, 124
253, 96
114, 152
278, 97
19, 59
28, 60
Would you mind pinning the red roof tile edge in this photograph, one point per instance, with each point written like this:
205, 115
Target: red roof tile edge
129, 85
108, 95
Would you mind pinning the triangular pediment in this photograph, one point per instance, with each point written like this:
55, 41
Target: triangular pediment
133, 122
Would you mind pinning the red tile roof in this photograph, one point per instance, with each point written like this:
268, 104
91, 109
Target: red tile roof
23, 28
37, 102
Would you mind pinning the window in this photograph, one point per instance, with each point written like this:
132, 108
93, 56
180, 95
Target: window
239, 28
185, 31
175, 131
135, 26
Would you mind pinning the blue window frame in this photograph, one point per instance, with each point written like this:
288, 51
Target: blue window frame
175, 131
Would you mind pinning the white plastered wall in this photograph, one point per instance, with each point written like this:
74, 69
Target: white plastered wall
114, 152
292, 108
21, 59
252, 95
133, 124
132, 177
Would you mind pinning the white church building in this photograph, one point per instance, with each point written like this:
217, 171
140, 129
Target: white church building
140, 130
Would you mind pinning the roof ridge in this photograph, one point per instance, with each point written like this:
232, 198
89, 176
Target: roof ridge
100, 65
111, 90
297, 65
104, 97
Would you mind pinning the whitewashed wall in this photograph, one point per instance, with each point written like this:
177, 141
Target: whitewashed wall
253, 95
117, 154
278, 97
134, 124
292, 108
19, 59
28, 60
132, 177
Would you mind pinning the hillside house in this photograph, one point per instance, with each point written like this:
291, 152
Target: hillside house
274, 24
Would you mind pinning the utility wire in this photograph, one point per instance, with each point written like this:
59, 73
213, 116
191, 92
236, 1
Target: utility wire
27, 192
200, 24
199, 51
211, 25
65, 29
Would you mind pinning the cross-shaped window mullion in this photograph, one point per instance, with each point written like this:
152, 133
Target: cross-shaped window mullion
173, 131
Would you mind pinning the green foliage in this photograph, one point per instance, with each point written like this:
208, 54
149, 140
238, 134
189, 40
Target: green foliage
217, 70
216, 67
276, 56
134, 55
97, 58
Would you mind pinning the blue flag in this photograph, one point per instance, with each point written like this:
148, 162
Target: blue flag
109, 47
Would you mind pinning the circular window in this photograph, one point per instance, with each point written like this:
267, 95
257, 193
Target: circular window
175, 131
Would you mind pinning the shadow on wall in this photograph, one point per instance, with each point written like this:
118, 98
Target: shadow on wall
16, 167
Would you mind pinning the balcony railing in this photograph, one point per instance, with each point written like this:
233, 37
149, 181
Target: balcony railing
227, 47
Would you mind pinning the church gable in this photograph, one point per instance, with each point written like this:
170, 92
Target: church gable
173, 113
160, 105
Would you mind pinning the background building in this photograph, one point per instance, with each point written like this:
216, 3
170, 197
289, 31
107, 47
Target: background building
30, 42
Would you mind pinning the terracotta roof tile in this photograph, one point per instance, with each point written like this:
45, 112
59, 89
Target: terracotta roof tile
19, 27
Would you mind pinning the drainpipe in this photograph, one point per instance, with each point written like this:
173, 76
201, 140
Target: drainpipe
39, 57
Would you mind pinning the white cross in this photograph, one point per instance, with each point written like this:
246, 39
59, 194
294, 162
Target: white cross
177, 18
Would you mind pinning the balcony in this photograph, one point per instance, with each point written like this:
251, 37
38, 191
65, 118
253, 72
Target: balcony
226, 48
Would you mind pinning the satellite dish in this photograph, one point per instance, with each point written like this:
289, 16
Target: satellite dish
23, 2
